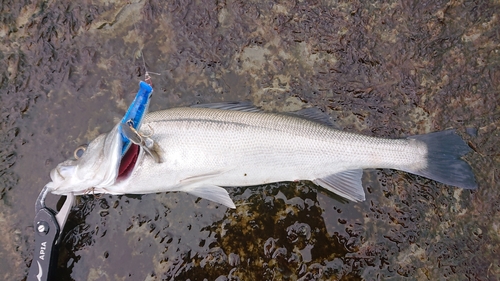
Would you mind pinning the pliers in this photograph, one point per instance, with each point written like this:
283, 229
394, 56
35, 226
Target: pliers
48, 228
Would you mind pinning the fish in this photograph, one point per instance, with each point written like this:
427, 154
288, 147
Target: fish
204, 149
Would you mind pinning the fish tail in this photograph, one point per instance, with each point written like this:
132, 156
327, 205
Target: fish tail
444, 163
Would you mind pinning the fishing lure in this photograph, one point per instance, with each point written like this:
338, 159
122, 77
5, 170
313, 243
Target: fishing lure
135, 113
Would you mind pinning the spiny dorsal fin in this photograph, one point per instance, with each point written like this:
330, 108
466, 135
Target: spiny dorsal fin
237, 106
312, 114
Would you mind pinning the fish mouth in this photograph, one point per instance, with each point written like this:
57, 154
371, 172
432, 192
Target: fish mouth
128, 161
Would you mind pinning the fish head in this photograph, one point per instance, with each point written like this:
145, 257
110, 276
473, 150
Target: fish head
96, 169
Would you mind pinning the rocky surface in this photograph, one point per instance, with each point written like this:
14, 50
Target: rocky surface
68, 70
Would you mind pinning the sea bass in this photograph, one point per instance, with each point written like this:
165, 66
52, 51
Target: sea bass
203, 149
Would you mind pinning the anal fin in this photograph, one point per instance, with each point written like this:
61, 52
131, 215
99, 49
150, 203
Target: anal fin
346, 184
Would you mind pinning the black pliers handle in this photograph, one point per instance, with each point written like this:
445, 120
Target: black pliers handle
48, 227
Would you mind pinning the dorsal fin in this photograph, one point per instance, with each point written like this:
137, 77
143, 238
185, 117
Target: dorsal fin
314, 114
237, 106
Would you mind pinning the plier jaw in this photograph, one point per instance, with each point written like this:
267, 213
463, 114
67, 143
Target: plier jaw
48, 227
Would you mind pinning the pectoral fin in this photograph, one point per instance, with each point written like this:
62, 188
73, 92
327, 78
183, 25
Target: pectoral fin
212, 193
346, 184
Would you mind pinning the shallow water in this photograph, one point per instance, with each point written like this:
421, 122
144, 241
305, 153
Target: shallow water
391, 69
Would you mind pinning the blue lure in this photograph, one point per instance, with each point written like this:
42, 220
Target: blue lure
135, 114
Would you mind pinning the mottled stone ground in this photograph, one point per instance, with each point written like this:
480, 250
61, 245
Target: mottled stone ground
68, 70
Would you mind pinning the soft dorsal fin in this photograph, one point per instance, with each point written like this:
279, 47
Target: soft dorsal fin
346, 184
237, 106
314, 114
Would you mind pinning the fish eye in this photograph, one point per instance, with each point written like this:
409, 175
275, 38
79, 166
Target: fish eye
79, 151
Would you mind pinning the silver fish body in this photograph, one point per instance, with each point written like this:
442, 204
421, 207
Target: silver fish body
201, 150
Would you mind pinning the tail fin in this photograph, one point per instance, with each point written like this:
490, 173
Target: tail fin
444, 164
